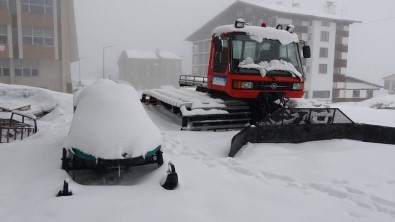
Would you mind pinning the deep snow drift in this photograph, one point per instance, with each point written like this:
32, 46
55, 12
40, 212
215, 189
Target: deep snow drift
334, 180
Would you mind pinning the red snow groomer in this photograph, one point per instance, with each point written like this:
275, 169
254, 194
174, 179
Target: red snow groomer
252, 71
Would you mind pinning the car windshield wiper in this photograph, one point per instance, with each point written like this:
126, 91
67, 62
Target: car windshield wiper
287, 71
270, 75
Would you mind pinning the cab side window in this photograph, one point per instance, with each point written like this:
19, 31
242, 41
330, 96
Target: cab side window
221, 56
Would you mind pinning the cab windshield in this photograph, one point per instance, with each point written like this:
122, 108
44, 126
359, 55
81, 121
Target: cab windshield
244, 49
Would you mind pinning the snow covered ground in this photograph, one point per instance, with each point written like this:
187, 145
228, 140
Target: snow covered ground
336, 180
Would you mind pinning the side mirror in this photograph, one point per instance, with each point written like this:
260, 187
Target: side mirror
306, 51
218, 44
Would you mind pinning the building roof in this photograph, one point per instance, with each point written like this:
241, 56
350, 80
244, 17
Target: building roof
141, 54
295, 10
275, 9
349, 79
390, 77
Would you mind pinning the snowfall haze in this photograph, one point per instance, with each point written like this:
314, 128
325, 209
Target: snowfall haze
164, 25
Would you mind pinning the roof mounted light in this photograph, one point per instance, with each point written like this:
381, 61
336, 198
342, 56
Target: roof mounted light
263, 25
279, 27
290, 28
239, 23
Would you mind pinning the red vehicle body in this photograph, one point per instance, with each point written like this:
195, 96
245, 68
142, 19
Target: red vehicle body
230, 46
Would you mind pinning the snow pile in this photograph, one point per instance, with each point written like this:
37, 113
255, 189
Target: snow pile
110, 121
305, 103
13, 96
384, 101
193, 112
264, 67
259, 33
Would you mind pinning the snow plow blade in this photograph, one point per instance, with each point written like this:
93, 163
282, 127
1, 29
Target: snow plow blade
304, 125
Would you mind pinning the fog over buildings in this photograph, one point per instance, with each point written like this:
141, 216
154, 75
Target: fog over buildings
164, 25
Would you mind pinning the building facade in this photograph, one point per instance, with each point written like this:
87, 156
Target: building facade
149, 69
37, 43
326, 33
350, 89
389, 83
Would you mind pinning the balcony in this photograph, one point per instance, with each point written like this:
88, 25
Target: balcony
301, 29
342, 33
340, 63
341, 48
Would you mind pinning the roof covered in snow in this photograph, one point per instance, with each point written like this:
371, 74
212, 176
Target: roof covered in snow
157, 54
390, 77
294, 10
349, 79
271, 11
109, 121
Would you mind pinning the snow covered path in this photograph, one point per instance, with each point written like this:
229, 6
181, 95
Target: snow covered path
336, 180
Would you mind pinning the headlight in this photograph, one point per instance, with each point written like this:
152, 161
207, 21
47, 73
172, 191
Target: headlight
298, 86
242, 85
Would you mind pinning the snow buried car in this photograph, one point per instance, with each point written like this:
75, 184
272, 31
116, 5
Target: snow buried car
110, 129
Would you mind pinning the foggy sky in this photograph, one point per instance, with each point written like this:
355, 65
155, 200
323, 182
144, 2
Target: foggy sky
164, 24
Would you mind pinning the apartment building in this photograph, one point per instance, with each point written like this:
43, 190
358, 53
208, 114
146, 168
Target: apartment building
37, 43
326, 33
149, 69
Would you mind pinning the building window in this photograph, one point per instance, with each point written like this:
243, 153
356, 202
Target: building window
325, 23
4, 4
386, 84
3, 34
26, 67
324, 36
355, 93
4, 67
38, 36
297, 22
323, 52
299, 35
336, 93
323, 69
321, 94
337, 70
369, 94
44, 7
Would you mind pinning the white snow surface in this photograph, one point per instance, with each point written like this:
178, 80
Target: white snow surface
322, 181
259, 33
265, 66
110, 121
14, 96
382, 101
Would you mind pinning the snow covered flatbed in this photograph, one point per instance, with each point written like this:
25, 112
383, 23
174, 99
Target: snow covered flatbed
199, 111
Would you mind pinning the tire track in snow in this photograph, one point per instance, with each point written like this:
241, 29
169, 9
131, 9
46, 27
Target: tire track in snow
340, 189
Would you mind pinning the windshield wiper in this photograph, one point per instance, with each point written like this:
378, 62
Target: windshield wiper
288, 71
270, 75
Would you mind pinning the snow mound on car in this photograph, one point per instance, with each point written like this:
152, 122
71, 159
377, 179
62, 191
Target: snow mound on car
109, 122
